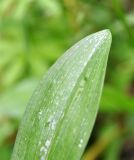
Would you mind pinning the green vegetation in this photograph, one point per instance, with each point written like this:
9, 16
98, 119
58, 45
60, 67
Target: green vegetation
62, 110
33, 34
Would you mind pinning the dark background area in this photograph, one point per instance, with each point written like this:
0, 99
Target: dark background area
33, 34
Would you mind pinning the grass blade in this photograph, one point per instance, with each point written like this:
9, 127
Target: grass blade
60, 115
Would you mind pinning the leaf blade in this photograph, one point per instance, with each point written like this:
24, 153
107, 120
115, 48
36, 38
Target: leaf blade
61, 107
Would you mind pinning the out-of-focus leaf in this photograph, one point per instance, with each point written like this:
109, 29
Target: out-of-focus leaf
109, 133
113, 150
14, 72
13, 101
5, 152
38, 66
115, 101
6, 129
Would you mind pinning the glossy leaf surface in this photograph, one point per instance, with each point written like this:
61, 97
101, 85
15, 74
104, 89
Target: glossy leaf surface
61, 112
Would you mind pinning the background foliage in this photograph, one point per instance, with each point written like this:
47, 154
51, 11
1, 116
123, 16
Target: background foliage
33, 34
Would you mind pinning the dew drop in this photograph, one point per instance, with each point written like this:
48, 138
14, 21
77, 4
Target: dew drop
80, 144
81, 141
42, 149
39, 114
42, 158
53, 125
51, 122
47, 144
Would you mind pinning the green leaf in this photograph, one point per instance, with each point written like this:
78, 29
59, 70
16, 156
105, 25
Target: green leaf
60, 115
114, 101
14, 100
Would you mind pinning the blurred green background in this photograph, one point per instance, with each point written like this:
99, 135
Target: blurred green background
33, 34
